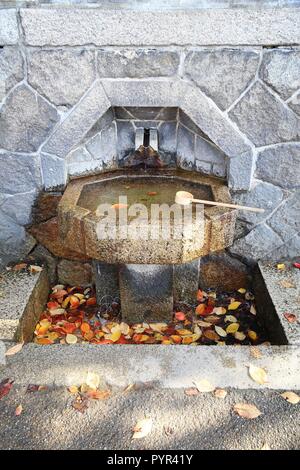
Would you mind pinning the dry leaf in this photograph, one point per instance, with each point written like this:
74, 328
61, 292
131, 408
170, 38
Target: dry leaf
232, 328
98, 394
242, 290
252, 335
71, 339
291, 397
219, 310
281, 266
204, 386
246, 410
220, 393
211, 335
19, 410
290, 317
92, 380
239, 335
220, 331
230, 318
142, 428
14, 349
253, 310
5, 387
73, 389
191, 391
255, 352
234, 305
35, 269
287, 284
19, 267
257, 374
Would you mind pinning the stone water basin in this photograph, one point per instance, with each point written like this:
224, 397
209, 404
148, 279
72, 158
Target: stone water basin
79, 217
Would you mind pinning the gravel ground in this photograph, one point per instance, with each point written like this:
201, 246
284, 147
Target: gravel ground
180, 422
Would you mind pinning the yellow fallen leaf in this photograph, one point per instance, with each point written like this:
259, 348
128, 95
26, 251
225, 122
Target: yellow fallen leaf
246, 410
115, 333
242, 290
183, 332
142, 428
220, 331
234, 305
281, 266
92, 380
53, 336
239, 335
73, 389
257, 374
197, 333
14, 349
291, 397
204, 386
220, 393
252, 335
232, 328
71, 339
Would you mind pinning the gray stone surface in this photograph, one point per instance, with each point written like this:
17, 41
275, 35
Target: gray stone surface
72, 130
280, 69
60, 75
184, 119
23, 297
54, 171
146, 292
167, 134
280, 165
11, 69
294, 103
240, 171
137, 63
185, 147
219, 169
48, 26
15, 243
103, 145
126, 138
257, 244
286, 219
22, 173
263, 195
288, 250
207, 152
230, 71
264, 118
2, 354
85, 168
222, 271
19, 206
106, 279
74, 273
25, 121
8, 27
186, 281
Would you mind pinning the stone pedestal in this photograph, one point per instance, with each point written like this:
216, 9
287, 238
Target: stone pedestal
147, 291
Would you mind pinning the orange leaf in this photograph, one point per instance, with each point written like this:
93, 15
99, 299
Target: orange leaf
200, 310
290, 317
152, 193
69, 327
19, 410
199, 295
98, 394
85, 327
176, 339
74, 301
212, 335
52, 305
43, 341
91, 301
180, 316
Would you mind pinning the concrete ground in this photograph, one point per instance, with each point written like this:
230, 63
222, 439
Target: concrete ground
179, 421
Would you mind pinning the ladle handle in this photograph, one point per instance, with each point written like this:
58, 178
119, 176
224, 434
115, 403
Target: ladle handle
232, 206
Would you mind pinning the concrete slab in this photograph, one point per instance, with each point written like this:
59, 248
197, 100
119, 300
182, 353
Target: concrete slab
278, 292
165, 366
22, 298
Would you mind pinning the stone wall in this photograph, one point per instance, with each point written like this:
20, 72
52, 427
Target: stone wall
72, 93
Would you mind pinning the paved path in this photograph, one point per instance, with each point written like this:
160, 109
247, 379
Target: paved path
180, 422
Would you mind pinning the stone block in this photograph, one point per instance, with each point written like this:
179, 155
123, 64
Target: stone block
230, 71
263, 195
139, 63
280, 165
54, 171
9, 33
222, 271
40, 254
280, 69
126, 138
186, 281
18, 207
106, 279
294, 103
22, 173
286, 219
167, 133
219, 169
185, 147
61, 75
12, 238
45, 206
26, 120
85, 168
264, 118
23, 299
207, 152
11, 69
74, 273
103, 145
80, 120
146, 292
240, 171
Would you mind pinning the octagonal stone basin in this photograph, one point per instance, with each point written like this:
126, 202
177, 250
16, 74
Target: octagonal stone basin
79, 218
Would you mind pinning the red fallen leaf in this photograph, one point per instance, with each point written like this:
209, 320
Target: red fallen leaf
290, 317
98, 394
19, 267
199, 295
51, 305
122, 340
59, 330
5, 387
91, 301
200, 310
105, 341
209, 309
180, 316
296, 265
69, 327
169, 331
74, 301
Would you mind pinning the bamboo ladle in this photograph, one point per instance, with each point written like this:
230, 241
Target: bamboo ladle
185, 198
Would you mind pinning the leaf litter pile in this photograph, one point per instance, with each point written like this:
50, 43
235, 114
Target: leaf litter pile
216, 318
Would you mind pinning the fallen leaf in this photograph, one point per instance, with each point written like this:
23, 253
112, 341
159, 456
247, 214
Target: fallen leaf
253, 310
255, 352
19, 267
73, 389
5, 387
35, 269
19, 410
91, 301
281, 266
220, 393
124, 328
219, 310
142, 428
257, 374
183, 332
92, 380
200, 295
35, 388
71, 339
56, 311
242, 290
290, 317
291, 397
85, 327
200, 309
246, 410
98, 394
230, 318
212, 335
180, 316
296, 265
152, 193
14, 349
191, 391
252, 335
80, 404
220, 331
119, 206
239, 335
159, 327
232, 328
204, 386
234, 305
